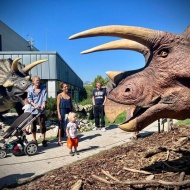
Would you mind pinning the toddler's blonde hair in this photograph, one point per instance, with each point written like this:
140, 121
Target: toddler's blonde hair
71, 115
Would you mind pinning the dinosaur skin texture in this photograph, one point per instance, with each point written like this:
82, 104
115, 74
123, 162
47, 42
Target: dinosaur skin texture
14, 82
161, 89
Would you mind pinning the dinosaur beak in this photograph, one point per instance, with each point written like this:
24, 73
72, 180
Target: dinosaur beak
131, 126
29, 67
8, 83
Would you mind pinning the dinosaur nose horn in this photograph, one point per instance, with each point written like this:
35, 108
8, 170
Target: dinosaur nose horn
28, 77
14, 66
112, 74
142, 35
29, 67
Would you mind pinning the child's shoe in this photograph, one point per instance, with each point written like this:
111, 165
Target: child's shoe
76, 153
71, 153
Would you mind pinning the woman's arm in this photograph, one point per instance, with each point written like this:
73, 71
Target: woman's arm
71, 104
58, 109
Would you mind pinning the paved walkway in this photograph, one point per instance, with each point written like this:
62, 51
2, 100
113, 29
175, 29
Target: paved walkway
14, 169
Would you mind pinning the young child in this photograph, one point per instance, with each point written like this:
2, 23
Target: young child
26, 108
71, 132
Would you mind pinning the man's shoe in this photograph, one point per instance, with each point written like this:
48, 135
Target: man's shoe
94, 129
44, 143
103, 129
35, 141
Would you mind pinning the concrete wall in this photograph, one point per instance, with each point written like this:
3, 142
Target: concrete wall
54, 69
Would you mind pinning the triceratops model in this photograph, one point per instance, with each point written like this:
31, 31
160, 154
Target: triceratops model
159, 90
14, 81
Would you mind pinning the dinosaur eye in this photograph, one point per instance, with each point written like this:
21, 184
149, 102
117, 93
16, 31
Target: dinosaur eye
163, 53
13, 75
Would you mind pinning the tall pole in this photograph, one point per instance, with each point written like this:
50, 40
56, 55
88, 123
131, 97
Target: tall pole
46, 40
158, 125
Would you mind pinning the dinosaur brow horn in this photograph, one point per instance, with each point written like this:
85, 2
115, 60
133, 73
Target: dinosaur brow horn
118, 44
14, 66
29, 67
142, 35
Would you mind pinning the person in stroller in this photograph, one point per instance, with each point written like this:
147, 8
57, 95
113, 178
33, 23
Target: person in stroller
37, 97
27, 108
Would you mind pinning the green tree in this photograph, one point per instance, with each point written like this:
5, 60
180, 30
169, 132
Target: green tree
106, 80
100, 79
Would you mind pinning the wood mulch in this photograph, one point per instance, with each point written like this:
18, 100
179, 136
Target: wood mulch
159, 161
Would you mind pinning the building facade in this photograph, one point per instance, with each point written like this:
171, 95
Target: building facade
55, 69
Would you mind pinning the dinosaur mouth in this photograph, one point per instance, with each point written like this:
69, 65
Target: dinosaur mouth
17, 95
132, 124
140, 116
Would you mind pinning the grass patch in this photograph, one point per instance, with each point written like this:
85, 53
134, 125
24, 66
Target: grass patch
183, 122
47, 139
120, 119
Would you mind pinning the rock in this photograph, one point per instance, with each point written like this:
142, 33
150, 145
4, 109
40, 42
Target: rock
150, 177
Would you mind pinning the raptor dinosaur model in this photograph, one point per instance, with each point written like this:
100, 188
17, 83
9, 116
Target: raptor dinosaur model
14, 82
161, 89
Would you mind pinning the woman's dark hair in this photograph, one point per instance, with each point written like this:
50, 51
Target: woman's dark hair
62, 84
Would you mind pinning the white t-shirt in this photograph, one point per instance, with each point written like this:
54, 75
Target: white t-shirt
72, 127
26, 107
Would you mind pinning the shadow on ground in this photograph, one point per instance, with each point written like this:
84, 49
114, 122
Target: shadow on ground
86, 149
88, 137
111, 127
8, 181
145, 134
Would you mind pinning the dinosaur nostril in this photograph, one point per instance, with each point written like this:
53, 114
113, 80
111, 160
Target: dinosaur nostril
127, 90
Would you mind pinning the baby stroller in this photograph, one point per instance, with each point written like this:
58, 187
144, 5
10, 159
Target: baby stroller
20, 145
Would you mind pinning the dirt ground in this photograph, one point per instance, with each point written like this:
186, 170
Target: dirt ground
159, 161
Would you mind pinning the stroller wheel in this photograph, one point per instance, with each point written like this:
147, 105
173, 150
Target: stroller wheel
31, 148
3, 154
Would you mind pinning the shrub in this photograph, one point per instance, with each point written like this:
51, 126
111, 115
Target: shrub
51, 109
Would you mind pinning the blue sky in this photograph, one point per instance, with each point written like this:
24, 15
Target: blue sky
51, 22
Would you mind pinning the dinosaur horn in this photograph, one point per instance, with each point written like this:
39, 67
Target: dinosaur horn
142, 35
112, 74
29, 67
14, 66
28, 77
118, 44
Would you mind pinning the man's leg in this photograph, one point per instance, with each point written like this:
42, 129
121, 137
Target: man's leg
41, 121
33, 129
102, 116
96, 116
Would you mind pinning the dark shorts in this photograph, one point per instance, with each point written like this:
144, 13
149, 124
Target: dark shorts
41, 122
